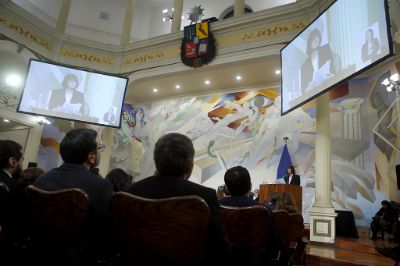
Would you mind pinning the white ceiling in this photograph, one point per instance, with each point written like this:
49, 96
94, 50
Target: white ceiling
254, 73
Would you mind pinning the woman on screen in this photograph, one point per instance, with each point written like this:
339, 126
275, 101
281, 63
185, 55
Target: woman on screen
67, 99
318, 66
370, 48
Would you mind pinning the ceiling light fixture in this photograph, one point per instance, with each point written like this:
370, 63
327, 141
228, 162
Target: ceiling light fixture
278, 71
155, 90
177, 86
13, 80
392, 83
168, 15
207, 82
238, 77
6, 120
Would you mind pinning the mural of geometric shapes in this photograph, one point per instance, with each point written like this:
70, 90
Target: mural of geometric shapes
348, 149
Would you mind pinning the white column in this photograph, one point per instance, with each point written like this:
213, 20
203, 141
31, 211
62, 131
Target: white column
351, 109
32, 145
107, 139
177, 16
63, 16
322, 213
238, 9
128, 20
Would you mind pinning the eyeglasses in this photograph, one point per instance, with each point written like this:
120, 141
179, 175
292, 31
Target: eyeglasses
101, 147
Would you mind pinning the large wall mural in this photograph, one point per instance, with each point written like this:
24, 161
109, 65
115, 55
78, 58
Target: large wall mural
245, 128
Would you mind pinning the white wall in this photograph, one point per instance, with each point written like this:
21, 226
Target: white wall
19, 136
45, 10
84, 20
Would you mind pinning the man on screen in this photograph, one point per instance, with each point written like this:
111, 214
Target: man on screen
318, 66
67, 99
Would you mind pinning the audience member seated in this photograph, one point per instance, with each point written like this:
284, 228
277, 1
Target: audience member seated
81, 150
120, 179
285, 201
384, 220
30, 175
11, 167
238, 182
272, 198
10, 163
173, 156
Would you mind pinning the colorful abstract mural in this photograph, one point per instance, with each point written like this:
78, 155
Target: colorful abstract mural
246, 128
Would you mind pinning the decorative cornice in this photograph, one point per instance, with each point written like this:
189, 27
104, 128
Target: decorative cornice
26, 33
260, 33
154, 56
85, 56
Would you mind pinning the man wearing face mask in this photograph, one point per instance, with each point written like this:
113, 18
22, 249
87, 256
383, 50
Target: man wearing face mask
67, 99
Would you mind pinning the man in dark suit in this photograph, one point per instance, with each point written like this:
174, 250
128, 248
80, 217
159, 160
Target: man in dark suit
238, 182
291, 178
80, 150
173, 156
11, 163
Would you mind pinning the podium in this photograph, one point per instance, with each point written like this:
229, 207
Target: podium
266, 189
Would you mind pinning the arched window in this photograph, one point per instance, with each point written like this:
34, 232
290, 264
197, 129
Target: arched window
228, 12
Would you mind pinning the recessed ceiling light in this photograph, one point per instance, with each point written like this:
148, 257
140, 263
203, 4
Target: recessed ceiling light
177, 86
155, 90
207, 82
278, 71
238, 77
6, 120
13, 80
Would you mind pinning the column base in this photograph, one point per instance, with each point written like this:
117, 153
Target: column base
322, 224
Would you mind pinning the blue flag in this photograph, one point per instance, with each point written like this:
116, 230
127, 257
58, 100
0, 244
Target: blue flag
284, 163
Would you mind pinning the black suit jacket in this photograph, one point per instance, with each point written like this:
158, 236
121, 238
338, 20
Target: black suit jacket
238, 201
97, 188
307, 71
295, 180
58, 99
159, 187
11, 183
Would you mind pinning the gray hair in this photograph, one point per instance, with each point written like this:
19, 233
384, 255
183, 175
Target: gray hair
173, 154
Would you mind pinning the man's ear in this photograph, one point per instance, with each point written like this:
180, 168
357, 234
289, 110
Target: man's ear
189, 170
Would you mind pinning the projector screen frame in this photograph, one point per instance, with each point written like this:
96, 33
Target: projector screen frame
88, 70
390, 54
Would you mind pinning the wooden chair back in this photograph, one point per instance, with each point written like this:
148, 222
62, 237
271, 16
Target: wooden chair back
282, 224
296, 227
247, 228
58, 218
171, 231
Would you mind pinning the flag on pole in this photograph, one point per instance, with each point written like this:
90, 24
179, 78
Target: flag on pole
284, 163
